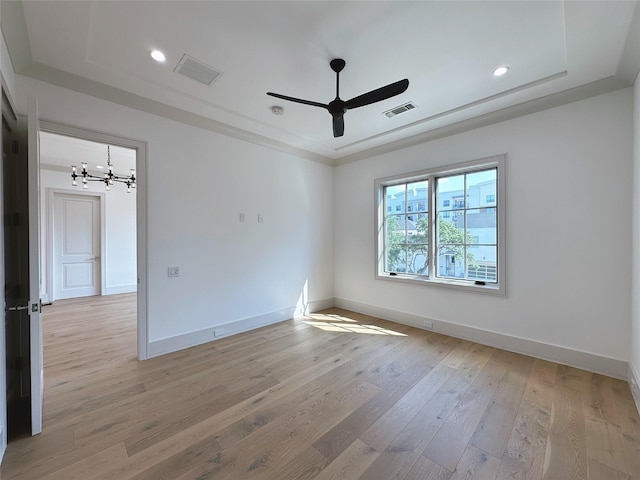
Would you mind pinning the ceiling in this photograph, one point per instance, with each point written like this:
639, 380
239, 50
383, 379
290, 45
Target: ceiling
557, 52
60, 152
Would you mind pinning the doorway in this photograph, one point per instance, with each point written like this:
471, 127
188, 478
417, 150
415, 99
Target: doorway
36, 277
111, 213
22, 340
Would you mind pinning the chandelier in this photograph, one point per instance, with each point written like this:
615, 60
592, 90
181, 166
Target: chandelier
108, 179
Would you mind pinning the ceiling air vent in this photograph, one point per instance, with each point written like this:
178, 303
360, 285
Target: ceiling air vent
196, 70
400, 109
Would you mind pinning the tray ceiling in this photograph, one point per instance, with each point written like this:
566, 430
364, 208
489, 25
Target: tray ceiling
557, 52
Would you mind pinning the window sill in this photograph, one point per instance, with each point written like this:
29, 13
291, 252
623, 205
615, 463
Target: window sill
463, 286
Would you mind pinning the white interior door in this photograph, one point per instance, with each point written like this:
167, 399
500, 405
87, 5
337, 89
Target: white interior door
35, 305
76, 245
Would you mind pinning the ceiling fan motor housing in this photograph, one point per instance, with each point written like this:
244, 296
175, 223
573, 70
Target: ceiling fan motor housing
338, 107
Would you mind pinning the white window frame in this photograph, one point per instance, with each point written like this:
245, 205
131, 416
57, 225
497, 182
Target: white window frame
498, 288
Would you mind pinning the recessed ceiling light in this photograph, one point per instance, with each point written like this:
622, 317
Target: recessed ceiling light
99, 166
158, 56
498, 72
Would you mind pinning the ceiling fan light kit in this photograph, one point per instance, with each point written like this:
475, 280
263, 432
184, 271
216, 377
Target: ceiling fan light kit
338, 107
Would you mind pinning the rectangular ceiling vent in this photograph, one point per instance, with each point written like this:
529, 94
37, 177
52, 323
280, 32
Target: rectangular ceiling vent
400, 109
196, 70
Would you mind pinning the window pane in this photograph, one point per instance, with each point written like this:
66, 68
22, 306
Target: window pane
450, 192
395, 229
451, 261
394, 197
482, 224
417, 259
482, 263
481, 188
396, 258
420, 233
417, 196
450, 228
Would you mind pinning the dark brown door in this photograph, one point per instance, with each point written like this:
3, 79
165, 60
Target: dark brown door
16, 274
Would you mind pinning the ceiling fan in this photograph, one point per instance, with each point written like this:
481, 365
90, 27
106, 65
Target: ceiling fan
338, 107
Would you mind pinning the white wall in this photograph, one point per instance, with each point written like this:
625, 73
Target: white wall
119, 260
568, 231
634, 360
198, 182
8, 75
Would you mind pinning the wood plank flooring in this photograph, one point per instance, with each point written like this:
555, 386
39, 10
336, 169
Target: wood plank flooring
336, 395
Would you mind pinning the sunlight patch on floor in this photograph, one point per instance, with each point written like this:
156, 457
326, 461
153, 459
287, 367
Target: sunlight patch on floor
338, 323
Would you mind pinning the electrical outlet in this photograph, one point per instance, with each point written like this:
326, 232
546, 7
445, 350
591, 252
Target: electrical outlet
173, 271
242, 217
427, 324
260, 218
218, 332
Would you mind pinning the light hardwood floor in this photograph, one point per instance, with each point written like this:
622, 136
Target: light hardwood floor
335, 396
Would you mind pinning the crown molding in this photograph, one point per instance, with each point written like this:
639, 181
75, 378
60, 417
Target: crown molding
564, 97
102, 91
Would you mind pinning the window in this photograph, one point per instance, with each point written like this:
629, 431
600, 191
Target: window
460, 244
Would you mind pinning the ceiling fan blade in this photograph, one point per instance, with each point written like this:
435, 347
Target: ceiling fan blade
298, 100
378, 94
338, 126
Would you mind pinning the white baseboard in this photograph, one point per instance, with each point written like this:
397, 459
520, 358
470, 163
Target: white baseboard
318, 305
191, 339
3, 443
632, 378
116, 289
563, 355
